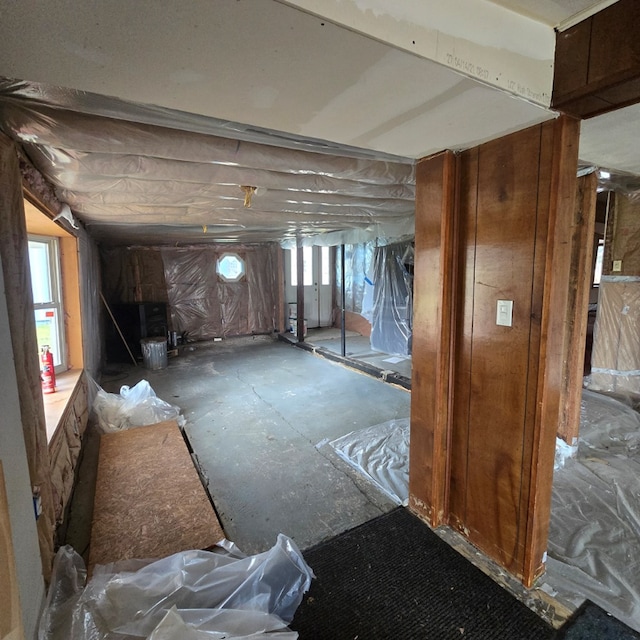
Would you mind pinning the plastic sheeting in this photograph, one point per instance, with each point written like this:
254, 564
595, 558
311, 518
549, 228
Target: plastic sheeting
134, 407
594, 533
176, 173
622, 182
381, 454
189, 595
204, 306
392, 314
615, 358
358, 260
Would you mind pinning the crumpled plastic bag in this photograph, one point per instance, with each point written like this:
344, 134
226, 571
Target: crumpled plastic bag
192, 594
184, 625
135, 407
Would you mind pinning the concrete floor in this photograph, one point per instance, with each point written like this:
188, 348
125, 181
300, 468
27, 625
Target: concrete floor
258, 412
359, 348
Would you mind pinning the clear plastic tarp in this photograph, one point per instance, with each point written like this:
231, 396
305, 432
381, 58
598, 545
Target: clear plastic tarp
615, 358
193, 595
358, 261
392, 313
622, 182
205, 306
135, 173
381, 454
594, 535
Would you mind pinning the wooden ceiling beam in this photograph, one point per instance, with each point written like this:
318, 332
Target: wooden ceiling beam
597, 62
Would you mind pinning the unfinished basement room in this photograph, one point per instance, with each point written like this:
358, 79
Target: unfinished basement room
322, 320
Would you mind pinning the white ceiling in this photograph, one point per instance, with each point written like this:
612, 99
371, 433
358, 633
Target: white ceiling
554, 13
270, 67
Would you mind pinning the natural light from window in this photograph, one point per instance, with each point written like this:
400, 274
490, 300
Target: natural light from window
307, 266
44, 264
230, 267
597, 272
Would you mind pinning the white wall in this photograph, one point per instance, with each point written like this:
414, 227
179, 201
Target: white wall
14, 462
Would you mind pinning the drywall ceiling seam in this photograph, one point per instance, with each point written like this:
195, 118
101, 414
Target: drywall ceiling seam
475, 38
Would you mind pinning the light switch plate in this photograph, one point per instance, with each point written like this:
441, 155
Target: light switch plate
617, 265
504, 313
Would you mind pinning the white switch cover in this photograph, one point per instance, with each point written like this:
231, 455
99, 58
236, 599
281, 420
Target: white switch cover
617, 265
504, 315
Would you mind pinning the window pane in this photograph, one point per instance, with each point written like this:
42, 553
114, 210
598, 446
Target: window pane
307, 259
47, 332
40, 276
326, 274
597, 273
231, 267
294, 266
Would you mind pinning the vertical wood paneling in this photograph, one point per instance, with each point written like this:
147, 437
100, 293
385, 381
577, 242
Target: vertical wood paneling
432, 319
459, 452
578, 302
487, 399
504, 238
555, 339
537, 295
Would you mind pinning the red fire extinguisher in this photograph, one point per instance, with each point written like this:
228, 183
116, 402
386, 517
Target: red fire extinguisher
48, 375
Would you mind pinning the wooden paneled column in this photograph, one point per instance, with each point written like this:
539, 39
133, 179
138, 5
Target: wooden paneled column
432, 336
580, 277
494, 225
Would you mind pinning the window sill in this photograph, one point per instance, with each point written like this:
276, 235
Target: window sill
56, 403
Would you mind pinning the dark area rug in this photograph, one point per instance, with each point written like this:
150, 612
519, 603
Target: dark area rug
590, 622
393, 577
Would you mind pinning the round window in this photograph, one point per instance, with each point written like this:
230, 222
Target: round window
230, 267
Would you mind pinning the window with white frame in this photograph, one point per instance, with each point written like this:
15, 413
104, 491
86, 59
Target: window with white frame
307, 266
597, 271
230, 267
44, 262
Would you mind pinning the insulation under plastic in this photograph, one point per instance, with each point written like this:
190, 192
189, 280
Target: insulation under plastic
615, 359
204, 306
141, 174
381, 454
189, 595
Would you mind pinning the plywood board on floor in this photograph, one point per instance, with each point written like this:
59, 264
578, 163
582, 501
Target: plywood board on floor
149, 501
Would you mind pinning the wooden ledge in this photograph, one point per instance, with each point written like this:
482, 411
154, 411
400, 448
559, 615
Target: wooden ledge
56, 403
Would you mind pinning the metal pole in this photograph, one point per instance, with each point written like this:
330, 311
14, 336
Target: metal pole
300, 292
343, 304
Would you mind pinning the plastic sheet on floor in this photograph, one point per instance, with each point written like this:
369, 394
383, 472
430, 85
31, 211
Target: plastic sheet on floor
381, 454
594, 533
193, 595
